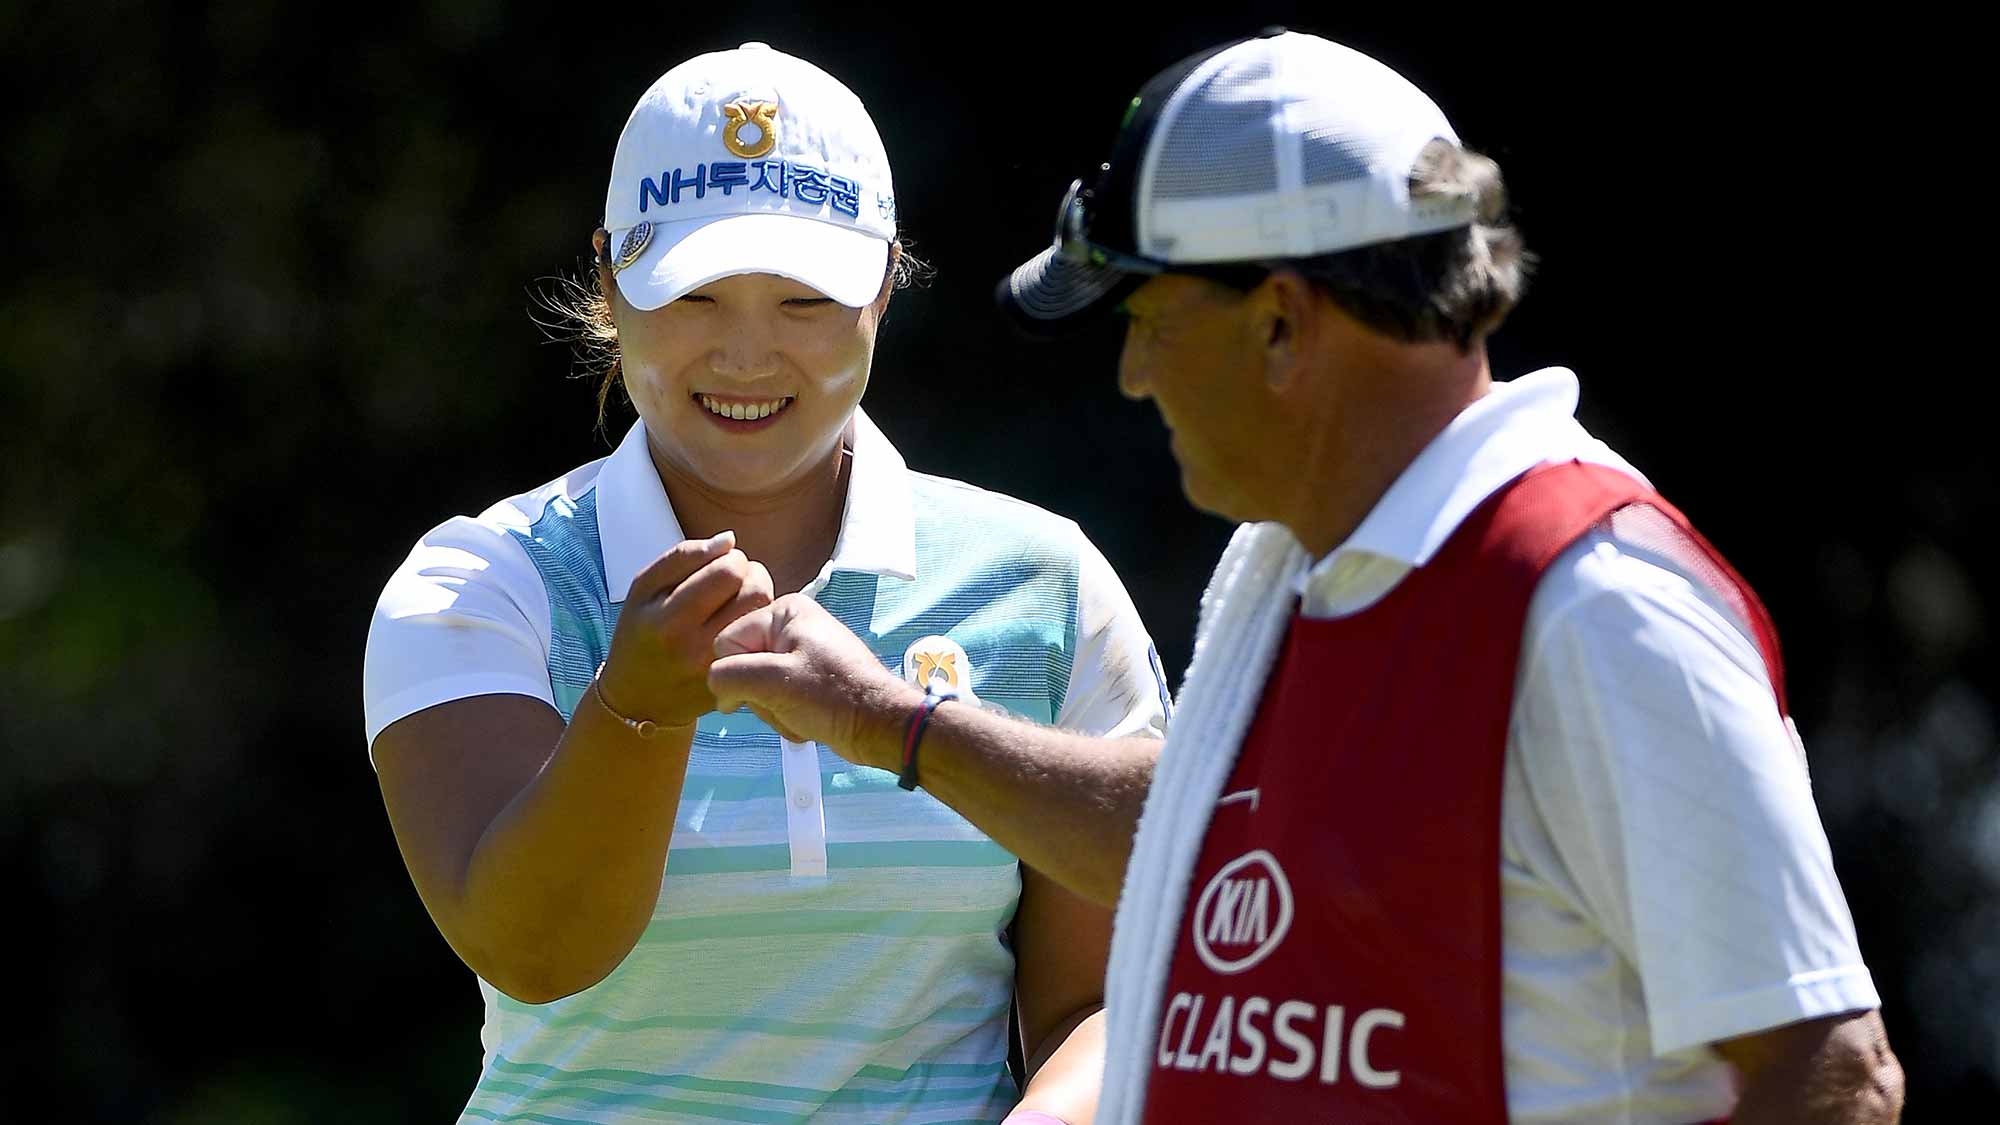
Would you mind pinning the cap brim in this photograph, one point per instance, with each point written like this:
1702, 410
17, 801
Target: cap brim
1049, 295
845, 264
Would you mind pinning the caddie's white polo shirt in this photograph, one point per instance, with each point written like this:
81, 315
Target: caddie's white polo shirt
1665, 879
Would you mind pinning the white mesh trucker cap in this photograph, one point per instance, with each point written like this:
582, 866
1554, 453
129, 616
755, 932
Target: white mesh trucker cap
1277, 147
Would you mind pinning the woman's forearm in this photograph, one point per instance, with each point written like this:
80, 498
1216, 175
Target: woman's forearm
563, 881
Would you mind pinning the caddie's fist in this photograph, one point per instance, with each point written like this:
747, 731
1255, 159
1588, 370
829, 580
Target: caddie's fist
807, 675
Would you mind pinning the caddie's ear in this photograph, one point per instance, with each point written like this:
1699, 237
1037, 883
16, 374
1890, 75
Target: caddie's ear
1284, 318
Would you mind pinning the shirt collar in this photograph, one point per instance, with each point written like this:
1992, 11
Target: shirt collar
636, 523
878, 531
1514, 427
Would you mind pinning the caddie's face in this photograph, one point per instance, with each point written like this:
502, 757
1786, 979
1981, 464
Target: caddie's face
1190, 348
746, 383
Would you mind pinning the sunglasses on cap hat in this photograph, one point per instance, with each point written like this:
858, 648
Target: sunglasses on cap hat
1074, 245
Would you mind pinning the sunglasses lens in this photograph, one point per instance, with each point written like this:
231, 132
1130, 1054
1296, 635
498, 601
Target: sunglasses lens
1069, 215
1070, 243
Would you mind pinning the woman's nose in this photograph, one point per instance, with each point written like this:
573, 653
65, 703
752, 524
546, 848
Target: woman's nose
745, 351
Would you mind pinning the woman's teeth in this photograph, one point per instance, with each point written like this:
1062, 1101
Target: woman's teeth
743, 411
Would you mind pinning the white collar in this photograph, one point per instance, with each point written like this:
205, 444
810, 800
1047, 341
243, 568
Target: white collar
878, 529
1510, 430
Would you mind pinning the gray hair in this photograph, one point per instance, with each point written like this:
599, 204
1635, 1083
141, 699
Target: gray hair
1456, 285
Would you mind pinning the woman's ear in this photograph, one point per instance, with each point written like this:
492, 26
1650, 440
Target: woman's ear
601, 249
888, 281
600, 246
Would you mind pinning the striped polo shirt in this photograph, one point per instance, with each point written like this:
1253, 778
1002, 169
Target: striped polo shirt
825, 944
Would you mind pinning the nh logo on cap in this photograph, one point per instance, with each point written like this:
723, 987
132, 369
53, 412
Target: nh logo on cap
1243, 913
760, 115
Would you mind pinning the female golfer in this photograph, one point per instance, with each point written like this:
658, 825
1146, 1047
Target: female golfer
674, 913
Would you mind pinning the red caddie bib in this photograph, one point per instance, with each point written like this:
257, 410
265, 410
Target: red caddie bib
1339, 952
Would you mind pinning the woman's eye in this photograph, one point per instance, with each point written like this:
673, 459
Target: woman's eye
808, 302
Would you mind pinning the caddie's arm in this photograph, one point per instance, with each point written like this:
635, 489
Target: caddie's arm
1837, 1070
1066, 804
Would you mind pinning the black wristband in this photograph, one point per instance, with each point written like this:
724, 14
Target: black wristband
913, 737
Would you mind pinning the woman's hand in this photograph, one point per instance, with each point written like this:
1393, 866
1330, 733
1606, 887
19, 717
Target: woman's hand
658, 666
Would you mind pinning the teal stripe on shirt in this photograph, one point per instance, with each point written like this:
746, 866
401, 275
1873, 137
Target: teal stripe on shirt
778, 857
927, 1073
764, 1025
792, 923
598, 1100
594, 1099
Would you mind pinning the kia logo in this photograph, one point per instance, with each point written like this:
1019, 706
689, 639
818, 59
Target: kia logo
1243, 913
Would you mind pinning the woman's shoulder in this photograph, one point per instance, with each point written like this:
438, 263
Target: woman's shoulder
504, 544
560, 499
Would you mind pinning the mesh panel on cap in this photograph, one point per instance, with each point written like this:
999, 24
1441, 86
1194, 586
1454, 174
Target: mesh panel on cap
1330, 154
1220, 143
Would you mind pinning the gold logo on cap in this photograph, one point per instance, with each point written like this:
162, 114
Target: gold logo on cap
635, 243
761, 114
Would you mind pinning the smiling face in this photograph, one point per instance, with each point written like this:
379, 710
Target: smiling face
746, 383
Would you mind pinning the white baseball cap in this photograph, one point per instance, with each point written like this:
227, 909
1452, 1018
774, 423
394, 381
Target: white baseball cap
749, 161
1277, 147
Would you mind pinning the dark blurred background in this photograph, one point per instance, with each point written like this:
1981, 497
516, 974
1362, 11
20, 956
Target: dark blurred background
268, 321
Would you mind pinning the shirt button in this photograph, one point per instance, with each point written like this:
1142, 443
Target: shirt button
802, 799
797, 745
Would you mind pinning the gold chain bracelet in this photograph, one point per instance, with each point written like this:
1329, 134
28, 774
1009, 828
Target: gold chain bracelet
644, 728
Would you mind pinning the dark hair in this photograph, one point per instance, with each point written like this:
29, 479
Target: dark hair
581, 312
1456, 285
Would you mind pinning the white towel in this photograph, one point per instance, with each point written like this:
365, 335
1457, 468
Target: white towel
1244, 612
